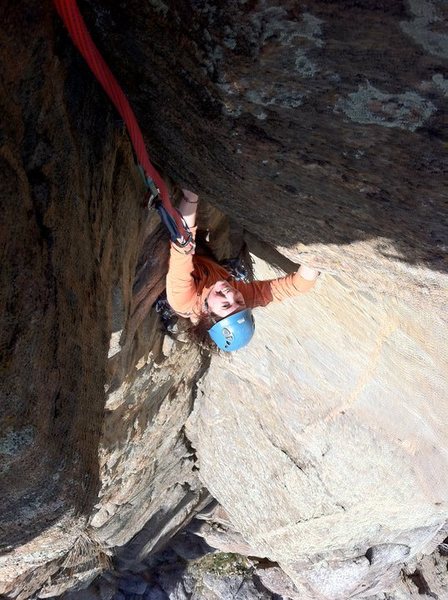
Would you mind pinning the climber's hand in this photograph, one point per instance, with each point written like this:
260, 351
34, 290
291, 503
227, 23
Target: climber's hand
190, 197
308, 273
188, 207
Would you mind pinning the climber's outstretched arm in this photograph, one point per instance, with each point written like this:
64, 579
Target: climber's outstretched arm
262, 293
188, 207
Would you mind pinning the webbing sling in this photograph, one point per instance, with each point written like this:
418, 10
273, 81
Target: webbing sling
73, 20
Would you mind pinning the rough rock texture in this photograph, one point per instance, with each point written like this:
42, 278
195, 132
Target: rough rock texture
188, 569
334, 112
92, 446
330, 118
334, 467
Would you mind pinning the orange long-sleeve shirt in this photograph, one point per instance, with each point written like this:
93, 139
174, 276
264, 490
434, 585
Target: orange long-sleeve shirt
190, 278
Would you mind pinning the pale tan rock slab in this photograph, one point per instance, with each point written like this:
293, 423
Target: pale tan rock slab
328, 434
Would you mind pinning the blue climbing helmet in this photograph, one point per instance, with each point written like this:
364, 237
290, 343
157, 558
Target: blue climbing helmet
233, 332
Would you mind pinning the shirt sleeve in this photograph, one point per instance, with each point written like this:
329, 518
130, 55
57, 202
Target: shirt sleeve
262, 293
181, 289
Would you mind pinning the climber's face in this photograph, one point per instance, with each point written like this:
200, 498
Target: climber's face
224, 300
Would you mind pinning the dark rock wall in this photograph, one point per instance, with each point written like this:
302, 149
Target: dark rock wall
82, 266
335, 111
71, 228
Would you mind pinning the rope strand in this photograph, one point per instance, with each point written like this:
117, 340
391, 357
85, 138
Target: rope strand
69, 12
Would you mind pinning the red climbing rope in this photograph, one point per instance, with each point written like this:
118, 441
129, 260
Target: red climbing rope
73, 20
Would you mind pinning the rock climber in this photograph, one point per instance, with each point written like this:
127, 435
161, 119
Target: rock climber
218, 306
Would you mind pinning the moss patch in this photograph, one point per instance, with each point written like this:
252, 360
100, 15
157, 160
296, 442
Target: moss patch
223, 563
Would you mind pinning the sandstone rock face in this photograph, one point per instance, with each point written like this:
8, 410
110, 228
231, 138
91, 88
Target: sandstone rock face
321, 131
318, 457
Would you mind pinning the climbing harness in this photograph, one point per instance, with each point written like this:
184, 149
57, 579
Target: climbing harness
167, 315
237, 268
157, 194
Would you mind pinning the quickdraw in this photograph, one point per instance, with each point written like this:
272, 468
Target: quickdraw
158, 195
